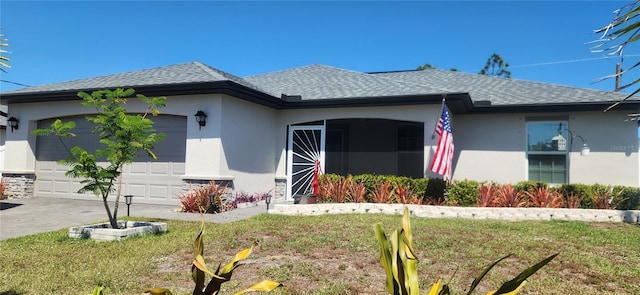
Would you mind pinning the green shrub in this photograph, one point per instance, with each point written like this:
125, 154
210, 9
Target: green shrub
331, 177
530, 185
629, 198
463, 193
435, 189
466, 192
419, 186
581, 191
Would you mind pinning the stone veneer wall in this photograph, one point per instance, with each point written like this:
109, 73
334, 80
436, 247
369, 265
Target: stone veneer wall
281, 189
19, 185
189, 184
586, 215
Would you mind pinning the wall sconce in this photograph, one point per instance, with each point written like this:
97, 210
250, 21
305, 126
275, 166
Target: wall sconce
13, 123
201, 118
585, 150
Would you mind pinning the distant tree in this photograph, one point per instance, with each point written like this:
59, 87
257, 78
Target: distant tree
616, 36
425, 67
3, 59
429, 66
496, 66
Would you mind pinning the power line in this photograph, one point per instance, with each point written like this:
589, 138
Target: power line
16, 83
569, 61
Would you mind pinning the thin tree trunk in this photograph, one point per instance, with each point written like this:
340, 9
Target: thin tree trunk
118, 191
112, 220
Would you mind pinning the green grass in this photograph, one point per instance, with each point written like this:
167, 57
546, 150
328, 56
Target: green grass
333, 254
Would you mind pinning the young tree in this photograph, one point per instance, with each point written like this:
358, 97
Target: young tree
123, 135
616, 36
496, 66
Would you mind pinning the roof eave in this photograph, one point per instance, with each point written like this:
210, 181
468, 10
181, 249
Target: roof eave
457, 102
224, 87
555, 107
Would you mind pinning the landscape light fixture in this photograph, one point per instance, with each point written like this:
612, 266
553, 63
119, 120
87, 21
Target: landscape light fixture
201, 118
127, 200
13, 123
585, 150
212, 202
267, 199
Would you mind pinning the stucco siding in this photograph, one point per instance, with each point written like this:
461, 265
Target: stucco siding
614, 149
249, 140
489, 147
492, 147
3, 134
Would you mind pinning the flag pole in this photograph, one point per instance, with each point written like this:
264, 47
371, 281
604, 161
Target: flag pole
444, 97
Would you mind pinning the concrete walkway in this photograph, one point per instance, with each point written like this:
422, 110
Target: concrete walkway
21, 217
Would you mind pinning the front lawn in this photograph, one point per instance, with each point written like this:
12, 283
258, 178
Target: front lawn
332, 254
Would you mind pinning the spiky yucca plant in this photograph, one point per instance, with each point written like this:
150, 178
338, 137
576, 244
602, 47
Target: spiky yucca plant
199, 270
398, 258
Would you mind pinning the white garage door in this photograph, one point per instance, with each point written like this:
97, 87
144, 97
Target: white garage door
148, 180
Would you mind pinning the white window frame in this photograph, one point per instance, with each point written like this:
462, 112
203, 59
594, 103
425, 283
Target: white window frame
565, 124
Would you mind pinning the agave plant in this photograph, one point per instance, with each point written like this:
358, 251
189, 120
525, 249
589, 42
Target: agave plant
509, 196
605, 198
335, 190
398, 258
405, 194
574, 200
3, 188
199, 270
543, 197
357, 192
383, 193
487, 195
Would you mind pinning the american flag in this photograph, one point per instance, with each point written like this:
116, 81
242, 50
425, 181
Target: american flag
442, 162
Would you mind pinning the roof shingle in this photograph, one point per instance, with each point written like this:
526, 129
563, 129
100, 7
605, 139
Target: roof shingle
192, 72
325, 82
315, 82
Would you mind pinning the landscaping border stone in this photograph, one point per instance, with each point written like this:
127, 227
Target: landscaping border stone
428, 211
104, 232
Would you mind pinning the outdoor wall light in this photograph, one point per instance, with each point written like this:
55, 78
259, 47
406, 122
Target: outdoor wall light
13, 123
127, 200
585, 150
201, 118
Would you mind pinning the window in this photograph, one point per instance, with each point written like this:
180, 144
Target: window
547, 145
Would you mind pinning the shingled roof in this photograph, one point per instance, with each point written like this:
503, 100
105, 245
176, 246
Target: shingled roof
504, 91
325, 82
319, 85
192, 72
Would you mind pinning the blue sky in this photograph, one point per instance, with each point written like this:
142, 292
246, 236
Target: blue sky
54, 41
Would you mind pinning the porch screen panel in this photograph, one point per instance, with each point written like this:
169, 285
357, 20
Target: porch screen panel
305, 151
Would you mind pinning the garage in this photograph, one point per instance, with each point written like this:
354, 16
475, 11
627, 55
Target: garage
149, 181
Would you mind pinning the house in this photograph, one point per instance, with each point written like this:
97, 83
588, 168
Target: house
3, 134
270, 132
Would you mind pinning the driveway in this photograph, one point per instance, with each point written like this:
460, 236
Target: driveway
21, 217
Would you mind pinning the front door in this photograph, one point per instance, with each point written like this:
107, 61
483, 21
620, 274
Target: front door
305, 151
